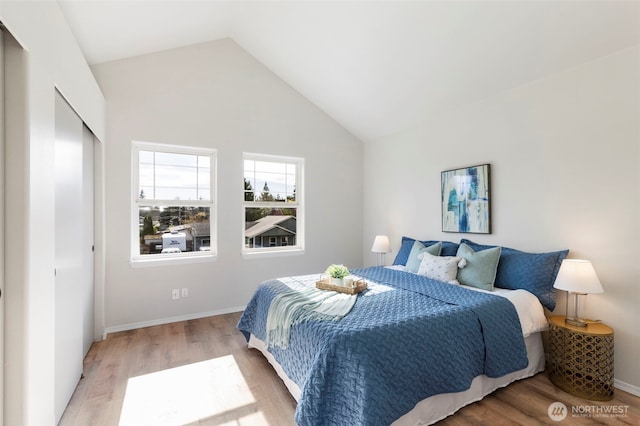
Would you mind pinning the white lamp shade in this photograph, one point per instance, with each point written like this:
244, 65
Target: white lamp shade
381, 244
578, 276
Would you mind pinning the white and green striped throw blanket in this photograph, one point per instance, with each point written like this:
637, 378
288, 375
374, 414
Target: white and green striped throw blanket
303, 302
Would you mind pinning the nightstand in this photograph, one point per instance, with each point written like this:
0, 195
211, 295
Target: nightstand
581, 359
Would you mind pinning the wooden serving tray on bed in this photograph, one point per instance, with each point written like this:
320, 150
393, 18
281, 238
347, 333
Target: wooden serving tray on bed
360, 285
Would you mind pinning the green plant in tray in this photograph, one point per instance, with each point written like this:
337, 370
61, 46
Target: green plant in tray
337, 271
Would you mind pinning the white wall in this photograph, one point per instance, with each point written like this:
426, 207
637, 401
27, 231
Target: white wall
45, 57
565, 157
216, 95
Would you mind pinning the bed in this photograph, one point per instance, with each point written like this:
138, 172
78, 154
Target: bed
411, 350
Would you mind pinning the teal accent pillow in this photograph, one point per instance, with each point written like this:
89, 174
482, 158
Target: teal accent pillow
481, 268
414, 259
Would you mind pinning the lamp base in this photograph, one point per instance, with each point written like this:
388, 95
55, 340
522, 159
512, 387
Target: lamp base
576, 322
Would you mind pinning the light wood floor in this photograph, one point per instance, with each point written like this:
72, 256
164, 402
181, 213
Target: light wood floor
111, 364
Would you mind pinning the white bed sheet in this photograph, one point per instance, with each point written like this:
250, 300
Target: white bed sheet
530, 311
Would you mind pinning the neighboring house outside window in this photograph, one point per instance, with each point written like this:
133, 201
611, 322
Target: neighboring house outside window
273, 207
173, 213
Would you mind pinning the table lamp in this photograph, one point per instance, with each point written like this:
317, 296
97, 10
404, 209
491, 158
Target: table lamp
381, 246
577, 277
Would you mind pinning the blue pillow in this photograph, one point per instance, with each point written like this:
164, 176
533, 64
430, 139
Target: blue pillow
448, 249
481, 267
415, 258
534, 272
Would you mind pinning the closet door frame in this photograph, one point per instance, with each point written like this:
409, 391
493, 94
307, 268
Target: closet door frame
2, 234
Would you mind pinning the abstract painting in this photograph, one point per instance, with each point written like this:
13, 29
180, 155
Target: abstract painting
466, 200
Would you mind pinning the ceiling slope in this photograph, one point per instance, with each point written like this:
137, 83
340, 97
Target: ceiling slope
375, 67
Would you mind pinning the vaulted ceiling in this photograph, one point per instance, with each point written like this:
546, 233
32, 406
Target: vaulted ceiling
376, 67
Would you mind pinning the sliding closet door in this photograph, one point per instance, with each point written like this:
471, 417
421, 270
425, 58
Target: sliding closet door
69, 257
74, 232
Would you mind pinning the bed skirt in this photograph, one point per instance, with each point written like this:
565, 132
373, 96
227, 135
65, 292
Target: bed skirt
437, 407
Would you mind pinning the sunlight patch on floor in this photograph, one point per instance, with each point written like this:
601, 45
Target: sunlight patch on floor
193, 392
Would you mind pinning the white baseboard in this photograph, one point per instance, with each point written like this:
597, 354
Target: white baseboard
633, 390
133, 326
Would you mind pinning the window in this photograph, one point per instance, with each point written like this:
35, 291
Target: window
173, 202
273, 208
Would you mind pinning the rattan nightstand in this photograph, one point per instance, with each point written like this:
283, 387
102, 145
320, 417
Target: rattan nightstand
581, 359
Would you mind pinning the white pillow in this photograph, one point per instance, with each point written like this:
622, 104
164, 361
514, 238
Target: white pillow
442, 268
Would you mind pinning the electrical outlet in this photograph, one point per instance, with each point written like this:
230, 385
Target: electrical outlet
175, 294
185, 292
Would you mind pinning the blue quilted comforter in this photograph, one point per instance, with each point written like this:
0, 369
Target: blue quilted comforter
406, 338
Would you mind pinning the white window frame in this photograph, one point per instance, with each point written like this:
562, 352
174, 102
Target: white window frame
138, 259
298, 204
